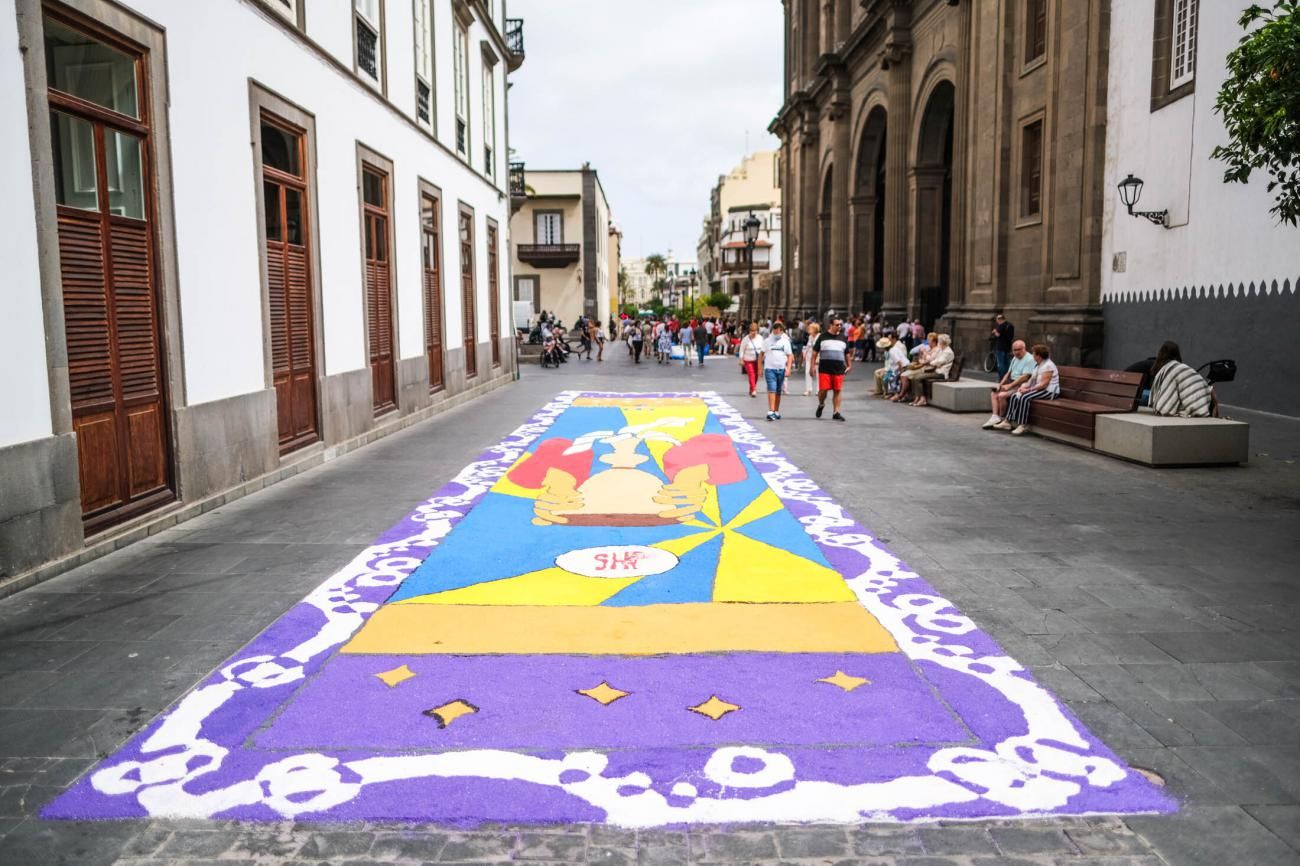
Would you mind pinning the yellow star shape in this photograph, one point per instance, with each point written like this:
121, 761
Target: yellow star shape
450, 712
396, 676
845, 681
715, 708
604, 693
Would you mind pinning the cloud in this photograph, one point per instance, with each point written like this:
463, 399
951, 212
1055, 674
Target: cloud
656, 94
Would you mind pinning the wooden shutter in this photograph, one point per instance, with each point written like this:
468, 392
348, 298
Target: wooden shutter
302, 347
379, 301
431, 255
494, 295
468, 300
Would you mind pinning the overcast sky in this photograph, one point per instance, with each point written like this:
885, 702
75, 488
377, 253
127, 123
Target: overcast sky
656, 94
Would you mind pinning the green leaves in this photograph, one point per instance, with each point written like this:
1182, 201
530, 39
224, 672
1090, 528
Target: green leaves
1260, 105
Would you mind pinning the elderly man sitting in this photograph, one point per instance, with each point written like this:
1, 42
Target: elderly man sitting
1020, 372
895, 360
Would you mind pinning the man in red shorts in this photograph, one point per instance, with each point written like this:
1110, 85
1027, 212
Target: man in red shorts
833, 362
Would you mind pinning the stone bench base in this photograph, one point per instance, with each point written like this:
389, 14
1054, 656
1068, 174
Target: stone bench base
1164, 441
964, 395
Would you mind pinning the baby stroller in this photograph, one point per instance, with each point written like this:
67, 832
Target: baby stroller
552, 354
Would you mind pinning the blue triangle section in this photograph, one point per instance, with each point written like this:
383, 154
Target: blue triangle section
690, 581
497, 539
732, 498
780, 529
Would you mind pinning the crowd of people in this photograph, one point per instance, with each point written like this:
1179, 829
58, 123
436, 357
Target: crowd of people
772, 352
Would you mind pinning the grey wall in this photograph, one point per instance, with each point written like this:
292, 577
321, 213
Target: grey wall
1257, 330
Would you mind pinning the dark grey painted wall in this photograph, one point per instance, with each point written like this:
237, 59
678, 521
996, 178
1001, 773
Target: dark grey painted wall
1260, 331
589, 239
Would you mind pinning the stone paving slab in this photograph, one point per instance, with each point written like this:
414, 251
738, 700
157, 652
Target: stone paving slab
1206, 606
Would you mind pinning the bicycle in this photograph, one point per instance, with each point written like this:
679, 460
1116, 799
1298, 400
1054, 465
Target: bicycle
991, 359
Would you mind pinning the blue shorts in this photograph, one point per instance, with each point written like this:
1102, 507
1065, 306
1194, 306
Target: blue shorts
775, 379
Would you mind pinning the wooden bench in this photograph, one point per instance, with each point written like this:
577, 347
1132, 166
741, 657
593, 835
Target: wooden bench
1085, 394
954, 374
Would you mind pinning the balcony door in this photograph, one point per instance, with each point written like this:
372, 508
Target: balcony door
289, 284
379, 289
548, 227
103, 178
468, 294
431, 253
494, 294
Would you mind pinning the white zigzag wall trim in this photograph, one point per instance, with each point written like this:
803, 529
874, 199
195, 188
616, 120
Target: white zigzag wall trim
1221, 290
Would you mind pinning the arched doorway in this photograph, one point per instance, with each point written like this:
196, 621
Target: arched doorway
868, 209
824, 222
933, 173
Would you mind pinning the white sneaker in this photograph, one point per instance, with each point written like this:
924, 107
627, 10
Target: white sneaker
1003, 425
993, 421
1021, 430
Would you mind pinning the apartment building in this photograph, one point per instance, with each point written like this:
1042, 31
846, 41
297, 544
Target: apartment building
242, 237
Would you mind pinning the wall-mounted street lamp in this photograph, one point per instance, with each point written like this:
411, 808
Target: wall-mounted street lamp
1130, 190
752, 225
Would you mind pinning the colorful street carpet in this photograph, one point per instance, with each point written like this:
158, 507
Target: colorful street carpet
632, 610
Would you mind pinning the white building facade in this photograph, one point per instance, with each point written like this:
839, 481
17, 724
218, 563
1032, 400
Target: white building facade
1221, 277
242, 236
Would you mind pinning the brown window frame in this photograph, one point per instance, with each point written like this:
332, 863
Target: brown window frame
1162, 45
1025, 170
468, 290
492, 234
370, 161
435, 351
152, 167
1034, 21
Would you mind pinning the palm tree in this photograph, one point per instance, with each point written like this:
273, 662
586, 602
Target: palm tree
656, 266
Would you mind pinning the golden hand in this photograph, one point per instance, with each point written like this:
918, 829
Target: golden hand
559, 494
686, 494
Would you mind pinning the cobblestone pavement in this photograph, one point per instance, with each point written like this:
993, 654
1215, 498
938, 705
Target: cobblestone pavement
1160, 605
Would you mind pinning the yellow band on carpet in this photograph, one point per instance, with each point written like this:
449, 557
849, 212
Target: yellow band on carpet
418, 629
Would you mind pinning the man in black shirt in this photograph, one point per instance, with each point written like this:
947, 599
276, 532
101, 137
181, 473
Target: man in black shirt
1004, 334
831, 358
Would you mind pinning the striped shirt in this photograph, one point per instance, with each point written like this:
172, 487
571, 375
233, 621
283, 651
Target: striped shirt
830, 349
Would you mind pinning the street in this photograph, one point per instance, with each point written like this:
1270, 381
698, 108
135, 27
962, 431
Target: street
1156, 605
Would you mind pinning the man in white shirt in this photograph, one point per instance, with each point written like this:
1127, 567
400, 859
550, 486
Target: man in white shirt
776, 358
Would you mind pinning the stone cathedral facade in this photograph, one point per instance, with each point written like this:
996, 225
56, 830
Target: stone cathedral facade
944, 159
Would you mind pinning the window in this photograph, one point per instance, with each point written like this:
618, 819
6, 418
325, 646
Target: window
1035, 29
290, 10
1031, 170
1182, 61
489, 120
424, 63
368, 15
461, 69
431, 256
468, 294
549, 226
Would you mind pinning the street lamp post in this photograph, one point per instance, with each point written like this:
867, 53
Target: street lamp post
691, 274
752, 225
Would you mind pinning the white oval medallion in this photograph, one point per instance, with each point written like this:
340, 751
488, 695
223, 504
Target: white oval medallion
619, 560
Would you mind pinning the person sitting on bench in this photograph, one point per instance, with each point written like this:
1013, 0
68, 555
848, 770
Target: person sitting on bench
1018, 373
1177, 389
937, 364
1044, 385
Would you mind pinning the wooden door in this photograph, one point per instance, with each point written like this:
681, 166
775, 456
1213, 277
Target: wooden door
494, 294
431, 253
379, 293
468, 301
289, 285
101, 146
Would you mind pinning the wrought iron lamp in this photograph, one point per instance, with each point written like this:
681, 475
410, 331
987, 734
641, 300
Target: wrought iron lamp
1130, 190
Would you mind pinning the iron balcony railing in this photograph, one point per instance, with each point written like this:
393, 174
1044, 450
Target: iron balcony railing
518, 189
549, 255
515, 36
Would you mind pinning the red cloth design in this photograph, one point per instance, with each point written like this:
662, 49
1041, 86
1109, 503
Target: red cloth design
550, 455
714, 450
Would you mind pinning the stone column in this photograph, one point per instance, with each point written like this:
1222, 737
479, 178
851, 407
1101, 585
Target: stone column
809, 225
897, 57
837, 287
862, 210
